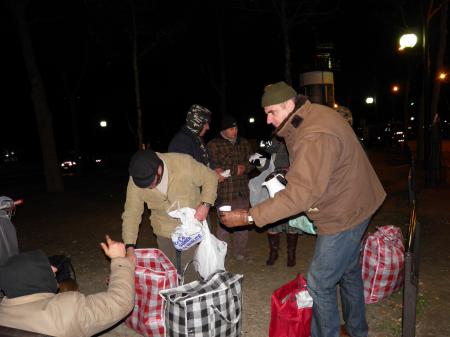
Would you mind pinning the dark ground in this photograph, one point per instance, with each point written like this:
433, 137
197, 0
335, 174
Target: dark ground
74, 222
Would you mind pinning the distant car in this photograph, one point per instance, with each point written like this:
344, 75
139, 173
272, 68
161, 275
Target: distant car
73, 163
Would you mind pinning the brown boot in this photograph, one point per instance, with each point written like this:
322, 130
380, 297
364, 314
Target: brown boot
274, 244
291, 247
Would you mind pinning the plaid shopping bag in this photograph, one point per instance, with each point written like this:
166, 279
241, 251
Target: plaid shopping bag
210, 308
383, 260
154, 272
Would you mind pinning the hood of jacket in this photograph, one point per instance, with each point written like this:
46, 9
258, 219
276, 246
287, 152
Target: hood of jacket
27, 273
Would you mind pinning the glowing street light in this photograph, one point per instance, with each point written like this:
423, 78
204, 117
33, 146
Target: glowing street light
251, 120
407, 41
442, 76
395, 88
370, 100
103, 124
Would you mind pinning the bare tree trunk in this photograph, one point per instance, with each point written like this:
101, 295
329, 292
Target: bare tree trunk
222, 69
435, 146
423, 120
137, 87
53, 177
287, 46
71, 95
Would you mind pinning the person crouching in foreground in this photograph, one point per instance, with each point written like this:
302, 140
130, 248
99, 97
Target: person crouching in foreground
31, 302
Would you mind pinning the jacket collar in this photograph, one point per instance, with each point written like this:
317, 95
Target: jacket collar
294, 120
26, 299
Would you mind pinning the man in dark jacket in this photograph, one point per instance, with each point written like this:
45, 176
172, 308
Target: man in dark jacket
189, 139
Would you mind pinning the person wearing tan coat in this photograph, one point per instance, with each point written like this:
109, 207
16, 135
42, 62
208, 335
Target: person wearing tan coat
32, 304
332, 180
165, 181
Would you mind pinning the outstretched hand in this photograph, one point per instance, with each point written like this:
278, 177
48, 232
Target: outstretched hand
112, 248
234, 218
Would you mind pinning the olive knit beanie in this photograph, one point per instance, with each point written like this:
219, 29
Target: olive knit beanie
277, 93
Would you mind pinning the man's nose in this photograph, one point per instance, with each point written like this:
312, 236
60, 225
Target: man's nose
269, 119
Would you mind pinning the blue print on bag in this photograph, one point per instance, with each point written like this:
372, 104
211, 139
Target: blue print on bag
186, 242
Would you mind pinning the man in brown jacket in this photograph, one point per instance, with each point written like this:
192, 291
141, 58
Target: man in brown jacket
332, 180
31, 302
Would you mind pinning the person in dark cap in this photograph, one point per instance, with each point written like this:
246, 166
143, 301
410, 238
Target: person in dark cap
33, 304
230, 154
189, 139
330, 179
163, 181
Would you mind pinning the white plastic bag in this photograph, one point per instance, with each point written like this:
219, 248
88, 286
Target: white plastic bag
259, 193
210, 254
190, 232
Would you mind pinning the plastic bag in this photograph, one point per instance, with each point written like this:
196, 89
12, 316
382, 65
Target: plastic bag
383, 263
210, 254
304, 224
190, 232
8, 238
291, 310
259, 193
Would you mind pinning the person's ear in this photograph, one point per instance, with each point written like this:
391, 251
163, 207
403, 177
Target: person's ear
290, 105
54, 269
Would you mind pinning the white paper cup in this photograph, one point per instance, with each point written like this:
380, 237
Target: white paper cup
225, 208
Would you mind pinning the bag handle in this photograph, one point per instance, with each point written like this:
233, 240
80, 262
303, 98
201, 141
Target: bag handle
234, 321
181, 276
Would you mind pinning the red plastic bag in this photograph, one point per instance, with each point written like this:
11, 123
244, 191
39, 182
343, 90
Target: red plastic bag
383, 263
154, 272
287, 319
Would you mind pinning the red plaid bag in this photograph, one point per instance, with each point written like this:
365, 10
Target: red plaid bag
287, 319
154, 272
383, 260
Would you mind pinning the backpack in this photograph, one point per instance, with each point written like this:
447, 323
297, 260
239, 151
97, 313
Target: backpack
8, 236
65, 268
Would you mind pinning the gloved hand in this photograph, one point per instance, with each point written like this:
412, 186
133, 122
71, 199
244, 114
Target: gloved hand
234, 218
257, 159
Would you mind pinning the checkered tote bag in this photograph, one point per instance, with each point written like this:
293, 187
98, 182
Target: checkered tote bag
154, 272
383, 263
210, 308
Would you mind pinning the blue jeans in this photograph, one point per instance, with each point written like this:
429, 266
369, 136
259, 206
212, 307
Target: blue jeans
336, 261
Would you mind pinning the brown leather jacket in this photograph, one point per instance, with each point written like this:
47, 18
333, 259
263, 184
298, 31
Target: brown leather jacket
330, 177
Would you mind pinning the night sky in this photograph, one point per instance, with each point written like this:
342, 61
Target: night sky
87, 44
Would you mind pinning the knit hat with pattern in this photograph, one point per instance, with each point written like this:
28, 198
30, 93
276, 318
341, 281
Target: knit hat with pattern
197, 117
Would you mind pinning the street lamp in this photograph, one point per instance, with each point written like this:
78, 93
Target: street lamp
442, 76
407, 41
395, 88
370, 100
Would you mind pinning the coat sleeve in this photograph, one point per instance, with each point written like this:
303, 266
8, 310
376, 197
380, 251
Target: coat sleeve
132, 214
100, 311
248, 151
205, 178
312, 164
213, 155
